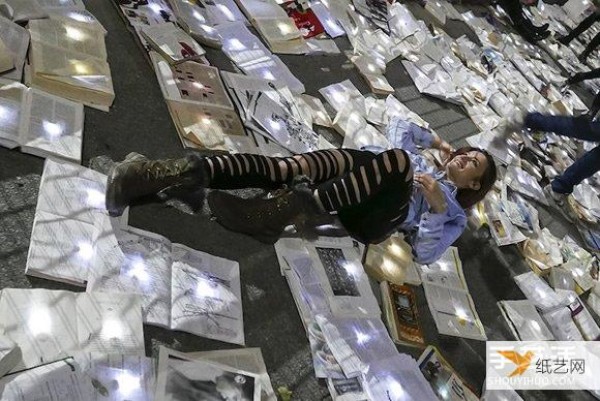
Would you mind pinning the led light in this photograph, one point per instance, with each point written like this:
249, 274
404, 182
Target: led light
227, 12
74, 33
199, 16
276, 125
388, 265
3, 112
362, 338
78, 17
81, 69
95, 198
371, 68
284, 29
205, 289
111, 328
138, 270
198, 85
395, 249
208, 29
396, 389
155, 7
128, 383
268, 75
536, 326
461, 314
338, 97
352, 269
86, 251
53, 129
235, 44
39, 321
206, 121
445, 266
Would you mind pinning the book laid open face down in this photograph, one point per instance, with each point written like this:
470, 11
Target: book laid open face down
68, 59
172, 43
50, 325
39, 123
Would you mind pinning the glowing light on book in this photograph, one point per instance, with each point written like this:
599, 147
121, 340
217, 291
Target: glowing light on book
578, 272
4, 112
138, 270
444, 265
155, 7
388, 265
536, 326
53, 129
39, 321
81, 69
206, 121
199, 16
227, 12
443, 393
461, 314
352, 269
276, 125
371, 68
198, 85
268, 75
95, 198
208, 29
396, 389
361, 337
542, 293
205, 289
128, 383
285, 29
85, 251
111, 328
235, 44
331, 23
75, 34
338, 97
78, 17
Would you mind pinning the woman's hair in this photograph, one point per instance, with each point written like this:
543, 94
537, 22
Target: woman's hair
467, 197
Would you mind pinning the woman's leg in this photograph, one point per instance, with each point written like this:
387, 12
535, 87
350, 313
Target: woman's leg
594, 43
584, 76
582, 27
575, 127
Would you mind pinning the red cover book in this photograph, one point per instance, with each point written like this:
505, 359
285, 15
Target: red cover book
304, 18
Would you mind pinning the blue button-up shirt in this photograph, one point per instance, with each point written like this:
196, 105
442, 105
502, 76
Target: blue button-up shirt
429, 233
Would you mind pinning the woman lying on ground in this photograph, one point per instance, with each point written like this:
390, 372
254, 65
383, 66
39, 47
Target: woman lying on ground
371, 192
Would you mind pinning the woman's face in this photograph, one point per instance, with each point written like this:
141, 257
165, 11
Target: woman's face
465, 170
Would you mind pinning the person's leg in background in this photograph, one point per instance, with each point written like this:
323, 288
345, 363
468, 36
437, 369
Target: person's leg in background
594, 43
586, 166
583, 76
581, 28
522, 25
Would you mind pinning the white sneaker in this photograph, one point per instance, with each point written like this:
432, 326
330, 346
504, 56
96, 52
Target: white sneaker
560, 203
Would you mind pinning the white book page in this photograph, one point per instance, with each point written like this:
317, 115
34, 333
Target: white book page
62, 4
524, 320
224, 11
42, 322
61, 248
12, 101
55, 126
453, 311
134, 262
70, 15
72, 191
538, 291
206, 296
72, 36
6, 58
248, 359
24, 10
169, 38
16, 39
261, 9
181, 377
58, 381
344, 281
110, 323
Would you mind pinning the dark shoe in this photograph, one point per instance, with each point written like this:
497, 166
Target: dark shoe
573, 79
263, 219
137, 177
565, 40
582, 57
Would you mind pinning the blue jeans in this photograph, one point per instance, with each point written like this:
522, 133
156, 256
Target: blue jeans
574, 127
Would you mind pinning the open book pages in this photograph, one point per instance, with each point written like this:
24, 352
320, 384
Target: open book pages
444, 381
282, 35
72, 36
392, 261
448, 298
180, 376
85, 377
261, 9
10, 355
172, 43
538, 291
524, 321
6, 59
71, 75
24, 10
195, 21
347, 389
208, 126
16, 39
247, 359
40, 123
401, 314
181, 288
50, 325
69, 198
191, 82
148, 12
344, 94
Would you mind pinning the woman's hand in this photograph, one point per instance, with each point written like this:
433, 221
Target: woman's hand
433, 193
444, 147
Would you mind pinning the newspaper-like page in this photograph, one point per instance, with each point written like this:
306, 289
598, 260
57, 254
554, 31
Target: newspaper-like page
42, 322
72, 36
110, 323
16, 39
54, 127
6, 58
206, 295
172, 42
66, 257
181, 377
25, 10
83, 16
223, 11
133, 261
524, 321
12, 104
248, 359
538, 291
58, 381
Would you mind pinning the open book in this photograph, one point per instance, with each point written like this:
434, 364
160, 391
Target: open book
401, 314
69, 198
69, 60
183, 378
172, 43
50, 325
41, 124
16, 40
182, 289
10, 355
6, 59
